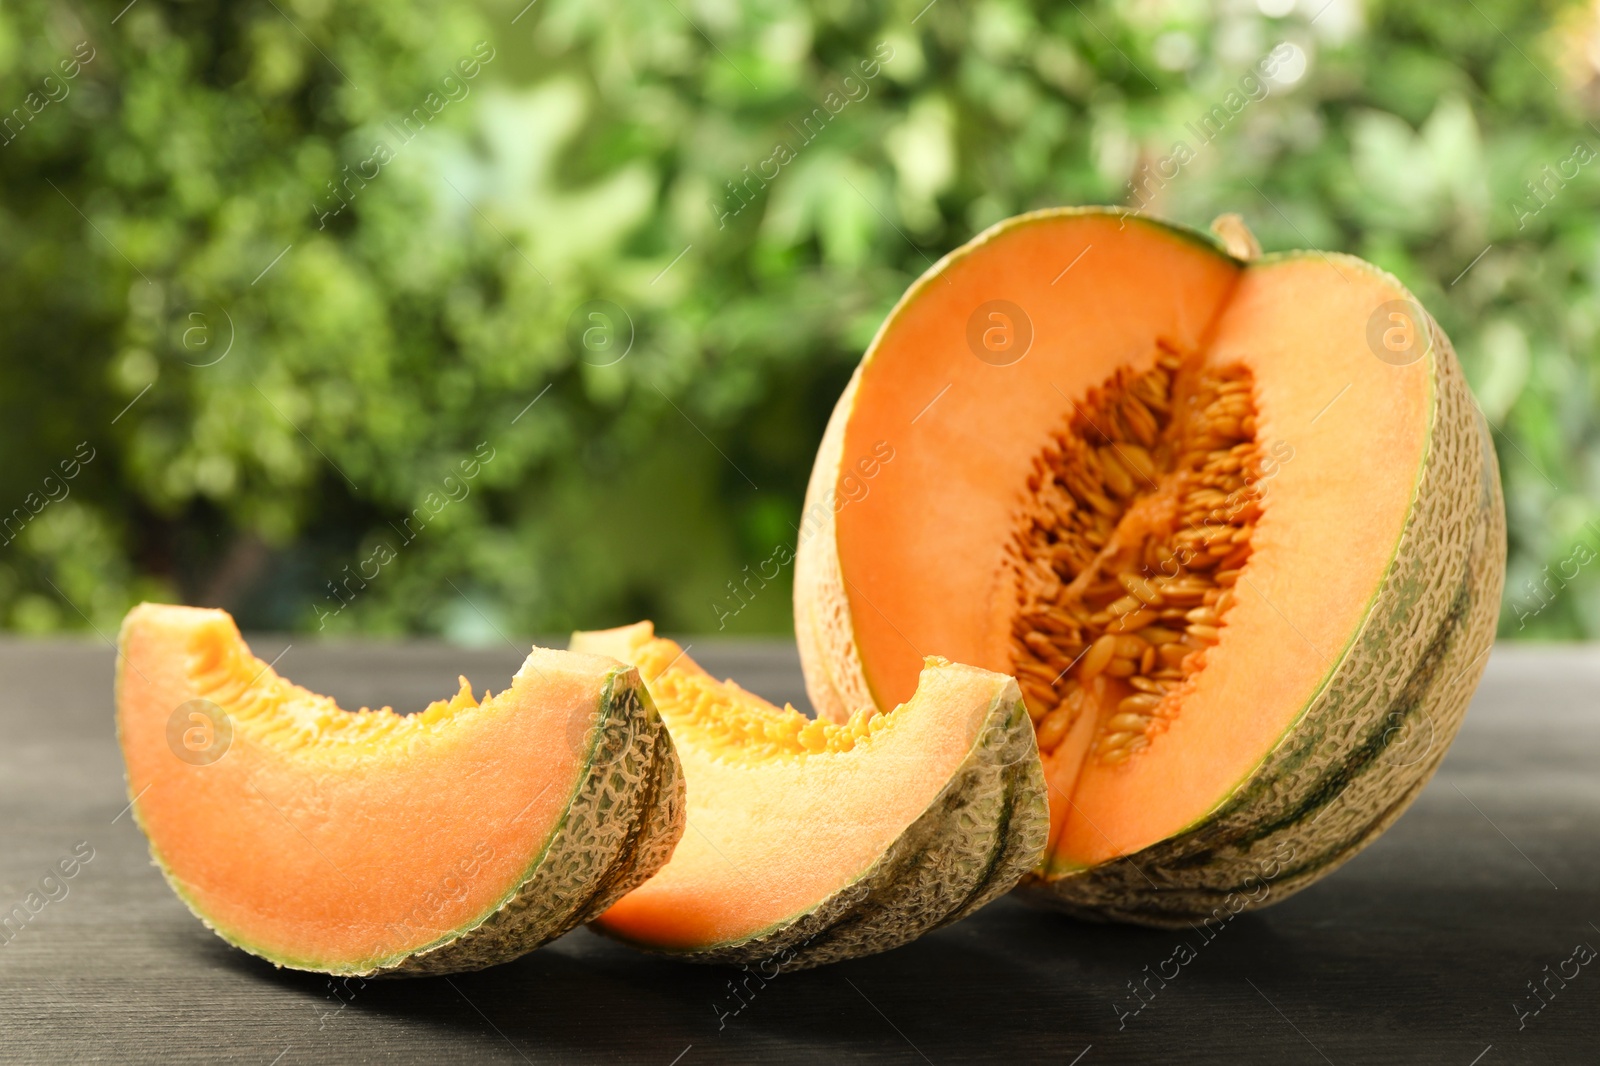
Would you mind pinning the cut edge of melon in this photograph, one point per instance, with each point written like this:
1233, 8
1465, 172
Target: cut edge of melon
833, 661
830, 659
808, 933
368, 967
467, 939
1053, 867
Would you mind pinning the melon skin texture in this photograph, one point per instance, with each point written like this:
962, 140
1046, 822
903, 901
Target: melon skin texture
982, 830
1384, 707
1375, 734
604, 824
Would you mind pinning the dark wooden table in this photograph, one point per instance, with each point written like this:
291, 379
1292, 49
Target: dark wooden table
1426, 948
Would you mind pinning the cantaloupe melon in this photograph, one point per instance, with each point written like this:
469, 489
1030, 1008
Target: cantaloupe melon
810, 842
368, 842
1234, 523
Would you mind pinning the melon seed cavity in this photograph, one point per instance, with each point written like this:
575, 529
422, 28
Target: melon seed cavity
1137, 527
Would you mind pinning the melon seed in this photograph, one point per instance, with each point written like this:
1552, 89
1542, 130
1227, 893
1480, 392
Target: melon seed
1097, 659
1118, 478
1129, 647
1138, 586
1126, 605
1129, 623
1138, 460
1053, 728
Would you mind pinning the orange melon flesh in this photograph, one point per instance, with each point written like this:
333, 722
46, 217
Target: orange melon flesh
923, 553
330, 840
778, 822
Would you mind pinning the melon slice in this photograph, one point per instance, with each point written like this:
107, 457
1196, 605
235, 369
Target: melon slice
810, 842
368, 842
1234, 523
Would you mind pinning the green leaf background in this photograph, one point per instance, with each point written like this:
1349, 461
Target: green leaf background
270, 388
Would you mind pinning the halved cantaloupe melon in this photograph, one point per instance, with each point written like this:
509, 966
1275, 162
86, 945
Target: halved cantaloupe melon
373, 843
1235, 526
810, 842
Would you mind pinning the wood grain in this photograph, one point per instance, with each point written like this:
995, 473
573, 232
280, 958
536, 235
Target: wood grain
1418, 951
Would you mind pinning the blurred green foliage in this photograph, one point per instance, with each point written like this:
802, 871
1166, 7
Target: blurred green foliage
279, 382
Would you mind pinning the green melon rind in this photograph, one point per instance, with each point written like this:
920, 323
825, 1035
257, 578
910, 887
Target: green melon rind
1349, 765
984, 831
622, 820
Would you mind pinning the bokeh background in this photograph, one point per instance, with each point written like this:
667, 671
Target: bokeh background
272, 271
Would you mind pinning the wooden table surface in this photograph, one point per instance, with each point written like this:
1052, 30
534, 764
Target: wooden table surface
1426, 948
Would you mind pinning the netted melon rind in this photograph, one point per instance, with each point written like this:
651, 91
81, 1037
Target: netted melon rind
621, 827
983, 832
